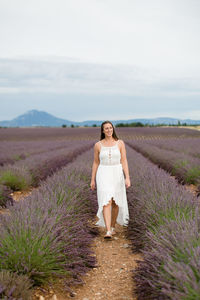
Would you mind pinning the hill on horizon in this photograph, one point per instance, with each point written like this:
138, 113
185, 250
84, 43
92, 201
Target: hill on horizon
35, 118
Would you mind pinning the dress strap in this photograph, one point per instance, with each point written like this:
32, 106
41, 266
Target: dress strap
117, 144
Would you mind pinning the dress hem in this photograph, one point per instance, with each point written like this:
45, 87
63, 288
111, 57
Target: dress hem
123, 215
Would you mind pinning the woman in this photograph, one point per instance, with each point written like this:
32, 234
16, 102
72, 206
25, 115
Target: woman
109, 164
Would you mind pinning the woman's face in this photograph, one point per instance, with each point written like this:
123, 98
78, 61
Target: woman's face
108, 129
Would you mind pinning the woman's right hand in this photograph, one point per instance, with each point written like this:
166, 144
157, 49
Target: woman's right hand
92, 185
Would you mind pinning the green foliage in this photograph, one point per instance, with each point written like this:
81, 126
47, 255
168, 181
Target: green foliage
193, 175
5, 196
134, 124
18, 157
180, 164
74, 126
181, 254
15, 181
170, 214
27, 252
20, 285
64, 126
139, 124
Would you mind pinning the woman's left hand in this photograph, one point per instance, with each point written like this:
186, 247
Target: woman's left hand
127, 183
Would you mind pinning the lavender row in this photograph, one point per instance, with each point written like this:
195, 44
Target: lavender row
91, 133
19, 143
10, 152
188, 146
34, 169
46, 134
164, 226
184, 167
47, 236
156, 133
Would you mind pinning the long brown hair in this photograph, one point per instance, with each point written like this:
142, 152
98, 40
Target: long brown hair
103, 134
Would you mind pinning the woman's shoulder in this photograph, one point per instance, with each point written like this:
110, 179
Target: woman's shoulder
97, 145
121, 142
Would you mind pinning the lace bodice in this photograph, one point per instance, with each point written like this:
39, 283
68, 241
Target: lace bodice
110, 156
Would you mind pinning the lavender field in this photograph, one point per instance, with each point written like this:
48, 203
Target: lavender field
29, 157
178, 156
164, 227
47, 236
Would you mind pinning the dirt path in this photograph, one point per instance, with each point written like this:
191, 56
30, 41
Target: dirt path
192, 188
113, 277
17, 196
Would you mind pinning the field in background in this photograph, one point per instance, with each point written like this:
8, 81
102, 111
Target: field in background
35, 134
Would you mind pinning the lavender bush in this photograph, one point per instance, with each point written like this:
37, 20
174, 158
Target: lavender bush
171, 269
47, 235
49, 164
164, 226
12, 151
35, 168
16, 178
181, 247
5, 197
185, 167
14, 286
183, 144
188, 146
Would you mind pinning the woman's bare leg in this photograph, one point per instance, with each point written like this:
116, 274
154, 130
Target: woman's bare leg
107, 215
115, 211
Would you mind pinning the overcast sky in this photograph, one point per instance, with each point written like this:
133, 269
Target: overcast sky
100, 59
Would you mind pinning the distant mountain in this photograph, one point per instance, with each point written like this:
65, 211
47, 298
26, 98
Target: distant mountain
35, 118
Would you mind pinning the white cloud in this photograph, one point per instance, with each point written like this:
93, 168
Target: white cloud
192, 114
157, 33
60, 77
9, 90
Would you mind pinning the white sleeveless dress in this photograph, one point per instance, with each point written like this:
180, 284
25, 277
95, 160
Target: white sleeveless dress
111, 184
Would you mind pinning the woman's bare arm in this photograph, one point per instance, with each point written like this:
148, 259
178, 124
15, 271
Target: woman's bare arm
95, 166
124, 163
